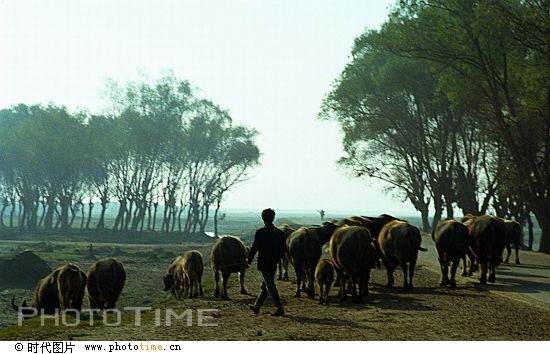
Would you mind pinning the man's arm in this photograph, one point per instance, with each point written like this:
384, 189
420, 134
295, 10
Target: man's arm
253, 249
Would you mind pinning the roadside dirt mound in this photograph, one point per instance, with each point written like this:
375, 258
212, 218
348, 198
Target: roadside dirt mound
22, 270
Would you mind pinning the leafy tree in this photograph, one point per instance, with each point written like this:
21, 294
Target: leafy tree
494, 59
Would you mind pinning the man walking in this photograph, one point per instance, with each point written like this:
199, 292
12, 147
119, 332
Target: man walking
270, 244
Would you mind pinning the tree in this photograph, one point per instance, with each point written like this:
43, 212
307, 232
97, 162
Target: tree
494, 58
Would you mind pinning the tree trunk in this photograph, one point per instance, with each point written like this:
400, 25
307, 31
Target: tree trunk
531, 231
41, 221
64, 203
174, 212
20, 210
129, 215
165, 218
149, 216
437, 214
12, 212
155, 206
101, 223
449, 208
48, 221
205, 217
73, 213
22, 215
216, 218
119, 220
542, 213
90, 208
179, 217
4, 206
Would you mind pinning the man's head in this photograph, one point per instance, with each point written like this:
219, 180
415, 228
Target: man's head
268, 215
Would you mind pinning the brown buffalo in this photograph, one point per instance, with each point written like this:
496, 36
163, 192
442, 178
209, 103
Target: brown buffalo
304, 250
106, 279
71, 283
400, 242
192, 268
283, 263
487, 241
174, 279
451, 242
468, 271
228, 256
352, 251
60, 290
324, 275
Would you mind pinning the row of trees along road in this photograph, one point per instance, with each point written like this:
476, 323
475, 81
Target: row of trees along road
157, 145
449, 103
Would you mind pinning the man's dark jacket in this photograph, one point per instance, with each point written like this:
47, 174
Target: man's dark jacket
270, 244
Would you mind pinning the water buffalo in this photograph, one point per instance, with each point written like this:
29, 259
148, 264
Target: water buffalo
192, 277
283, 263
399, 243
106, 279
174, 279
60, 290
324, 275
352, 251
71, 283
228, 256
513, 236
487, 238
451, 242
304, 250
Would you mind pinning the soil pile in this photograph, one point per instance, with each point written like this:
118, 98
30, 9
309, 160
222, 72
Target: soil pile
23, 270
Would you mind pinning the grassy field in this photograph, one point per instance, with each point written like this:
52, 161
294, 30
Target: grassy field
146, 258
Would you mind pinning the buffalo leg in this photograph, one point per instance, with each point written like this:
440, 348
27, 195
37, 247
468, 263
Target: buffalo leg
298, 281
508, 251
241, 281
285, 268
342, 291
304, 281
492, 273
327, 290
321, 293
412, 265
310, 283
367, 280
444, 270
338, 280
389, 270
225, 278
280, 267
217, 281
464, 267
483, 271
454, 266
404, 267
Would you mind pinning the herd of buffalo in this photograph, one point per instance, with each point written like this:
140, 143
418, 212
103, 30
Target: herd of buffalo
346, 248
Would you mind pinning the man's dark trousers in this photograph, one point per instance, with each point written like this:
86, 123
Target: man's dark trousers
268, 287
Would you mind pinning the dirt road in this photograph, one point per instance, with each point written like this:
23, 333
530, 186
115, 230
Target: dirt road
429, 312
527, 282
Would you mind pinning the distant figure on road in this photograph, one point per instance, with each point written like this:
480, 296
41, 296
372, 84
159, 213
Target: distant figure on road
270, 244
322, 214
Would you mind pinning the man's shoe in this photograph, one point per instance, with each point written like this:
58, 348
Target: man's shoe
254, 308
278, 312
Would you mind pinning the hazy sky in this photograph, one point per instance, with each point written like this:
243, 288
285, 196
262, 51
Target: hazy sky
270, 63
